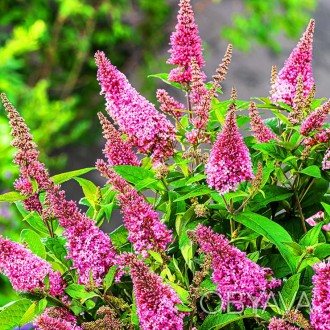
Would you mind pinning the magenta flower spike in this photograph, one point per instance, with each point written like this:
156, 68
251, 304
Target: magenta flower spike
186, 44
298, 63
168, 104
27, 159
315, 120
320, 312
145, 127
237, 277
261, 132
326, 160
56, 318
90, 249
27, 271
229, 163
155, 300
280, 324
117, 151
146, 231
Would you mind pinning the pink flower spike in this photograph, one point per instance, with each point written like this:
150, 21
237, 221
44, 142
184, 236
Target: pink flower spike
27, 159
229, 163
168, 104
155, 300
117, 151
56, 318
280, 324
320, 312
146, 231
144, 126
90, 249
326, 160
26, 271
261, 132
316, 120
237, 277
298, 63
186, 44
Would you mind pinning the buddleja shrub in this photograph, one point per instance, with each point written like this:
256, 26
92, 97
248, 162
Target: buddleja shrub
235, 234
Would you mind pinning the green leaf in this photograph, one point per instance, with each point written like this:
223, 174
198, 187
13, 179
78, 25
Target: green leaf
312, 170
183, 308
164, 77
295, 248
254, 256
281, 117
42, 304
78, 291
289, 292
63, 177
275, 151
326, 208
312, 236
119, 236
270, 194
182, 293
11, 197
110, 277
322, 251
12, 313
35, 221
200, 190
89, 189
29, 314
149, 183
270, 230
278, 265
134, 316
56, 246
34, 241
133, 174
196, 178
182, 221
156, 256
108, 208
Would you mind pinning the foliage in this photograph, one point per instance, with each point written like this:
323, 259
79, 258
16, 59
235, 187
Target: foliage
263, 21
207, 215
52, 72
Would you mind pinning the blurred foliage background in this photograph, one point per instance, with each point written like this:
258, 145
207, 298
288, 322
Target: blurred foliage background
48, 72
264, 21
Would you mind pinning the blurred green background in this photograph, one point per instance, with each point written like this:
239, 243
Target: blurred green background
48, 72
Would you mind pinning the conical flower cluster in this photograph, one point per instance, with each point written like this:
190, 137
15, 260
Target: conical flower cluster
298, 63
155, 300
145, 127
146, 231
27, 159
326, 160
168, 104
27, 271
261, 132
88, 246
238, 278
280, 324
315, 120
186, 44
56, 318
229, 163
117, 151
320, 312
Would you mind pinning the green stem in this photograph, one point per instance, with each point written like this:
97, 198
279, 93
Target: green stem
300, 262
